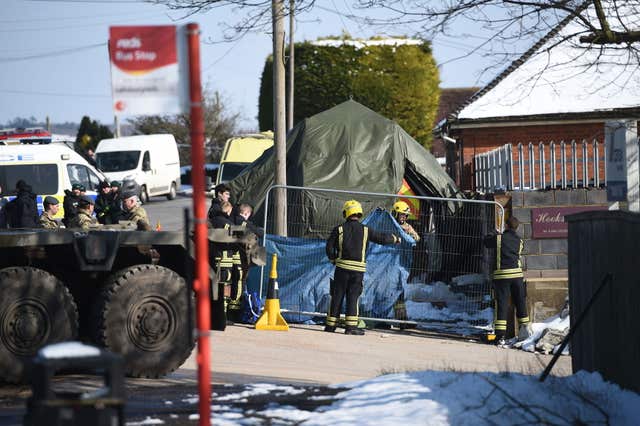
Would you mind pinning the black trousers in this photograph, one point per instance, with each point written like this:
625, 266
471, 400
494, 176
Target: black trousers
345, 283
515, 288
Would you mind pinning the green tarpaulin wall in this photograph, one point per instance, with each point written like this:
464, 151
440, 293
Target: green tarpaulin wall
347, 147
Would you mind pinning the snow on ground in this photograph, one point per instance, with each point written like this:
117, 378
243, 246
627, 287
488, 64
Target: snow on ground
448, 398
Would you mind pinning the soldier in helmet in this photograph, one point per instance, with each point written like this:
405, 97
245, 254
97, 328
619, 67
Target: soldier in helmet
346, 248
132, 209
103, 203
84, 219
51, 206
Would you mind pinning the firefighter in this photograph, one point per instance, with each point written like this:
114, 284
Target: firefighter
401, 212
346, 249
223, 255
51, 206
508, 281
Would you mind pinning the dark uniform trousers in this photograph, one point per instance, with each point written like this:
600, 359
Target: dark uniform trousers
234, 302
347, 283
504, 288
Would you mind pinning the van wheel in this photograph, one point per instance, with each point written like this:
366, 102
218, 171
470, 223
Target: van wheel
144, 195
172, 192
36, 309
144, 316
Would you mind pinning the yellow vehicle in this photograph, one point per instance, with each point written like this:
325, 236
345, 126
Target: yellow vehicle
240, 151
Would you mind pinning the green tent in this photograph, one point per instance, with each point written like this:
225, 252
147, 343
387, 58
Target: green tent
348, 147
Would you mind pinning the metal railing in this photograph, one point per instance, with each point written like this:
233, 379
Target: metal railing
442, 277
526, 167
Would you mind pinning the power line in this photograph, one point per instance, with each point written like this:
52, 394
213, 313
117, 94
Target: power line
74, 95
89, 25
52, 54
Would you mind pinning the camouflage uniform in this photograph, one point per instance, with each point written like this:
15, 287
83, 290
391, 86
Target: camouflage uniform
139, 216
84, 220
47, 223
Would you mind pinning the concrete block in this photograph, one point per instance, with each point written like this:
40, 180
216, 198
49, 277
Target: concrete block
563, 262
542, 261
532, 274
571, 197
554, 273
531, 247
553, 246
517, 199
597, 196
524, 230
545, 297
539, 198
523, 215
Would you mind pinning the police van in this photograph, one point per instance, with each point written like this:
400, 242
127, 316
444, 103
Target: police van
49, 170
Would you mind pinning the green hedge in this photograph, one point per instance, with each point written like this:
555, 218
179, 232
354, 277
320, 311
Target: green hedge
398, 82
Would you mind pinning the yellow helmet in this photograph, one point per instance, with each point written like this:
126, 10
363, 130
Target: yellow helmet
350, 208
400, 207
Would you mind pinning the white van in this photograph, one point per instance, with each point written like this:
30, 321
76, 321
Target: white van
152, 160
49, 169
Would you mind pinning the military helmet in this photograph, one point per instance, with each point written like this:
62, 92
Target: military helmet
350, 208
401, 207
85, 200
129, 188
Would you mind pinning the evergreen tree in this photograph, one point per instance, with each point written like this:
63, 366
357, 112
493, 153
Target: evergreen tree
89, 134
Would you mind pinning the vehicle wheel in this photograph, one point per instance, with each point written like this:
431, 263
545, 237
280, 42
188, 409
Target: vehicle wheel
143, 315
172, 192
35, 309
144, 195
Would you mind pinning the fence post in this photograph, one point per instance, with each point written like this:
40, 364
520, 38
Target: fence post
520, 166
543, 183
604, 155
563, 164
596, 165
574, 164
552, 160
585, 165
510, 166
532, 168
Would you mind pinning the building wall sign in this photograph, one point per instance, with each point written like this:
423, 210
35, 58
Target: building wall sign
548, 222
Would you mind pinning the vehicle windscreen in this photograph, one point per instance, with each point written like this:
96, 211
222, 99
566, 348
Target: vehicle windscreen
43, 178
117, 161
231, 170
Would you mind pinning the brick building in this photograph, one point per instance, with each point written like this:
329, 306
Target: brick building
553, 92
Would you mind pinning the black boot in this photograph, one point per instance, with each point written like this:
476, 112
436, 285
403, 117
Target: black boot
354, 331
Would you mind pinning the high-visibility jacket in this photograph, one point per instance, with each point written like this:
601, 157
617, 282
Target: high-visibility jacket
222, 252
347, 244
508, 247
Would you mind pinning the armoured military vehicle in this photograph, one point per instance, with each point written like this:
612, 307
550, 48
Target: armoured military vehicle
125, 290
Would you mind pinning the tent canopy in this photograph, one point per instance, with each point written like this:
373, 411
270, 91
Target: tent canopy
348, 147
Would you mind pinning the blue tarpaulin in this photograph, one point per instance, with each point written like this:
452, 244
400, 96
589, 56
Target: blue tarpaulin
304, 271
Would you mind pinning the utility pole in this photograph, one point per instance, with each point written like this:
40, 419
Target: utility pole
116, 124
291, 64
279, 122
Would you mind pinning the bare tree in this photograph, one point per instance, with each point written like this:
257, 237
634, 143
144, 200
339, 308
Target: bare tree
503, 28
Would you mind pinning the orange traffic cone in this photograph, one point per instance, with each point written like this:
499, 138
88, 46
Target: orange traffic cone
271, 318
158, 226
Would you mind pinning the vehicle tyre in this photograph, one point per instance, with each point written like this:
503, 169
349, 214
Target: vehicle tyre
36, 309
144, 195
172, 192
143, 314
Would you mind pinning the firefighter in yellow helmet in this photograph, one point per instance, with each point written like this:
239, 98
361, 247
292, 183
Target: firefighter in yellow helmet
346, 248
401, 212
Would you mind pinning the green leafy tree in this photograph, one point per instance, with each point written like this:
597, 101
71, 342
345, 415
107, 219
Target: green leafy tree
398, 81
89, 134
219, 125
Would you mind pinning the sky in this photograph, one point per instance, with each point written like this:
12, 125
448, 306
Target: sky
54, 60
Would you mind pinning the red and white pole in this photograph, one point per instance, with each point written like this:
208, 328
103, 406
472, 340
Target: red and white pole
201, 281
